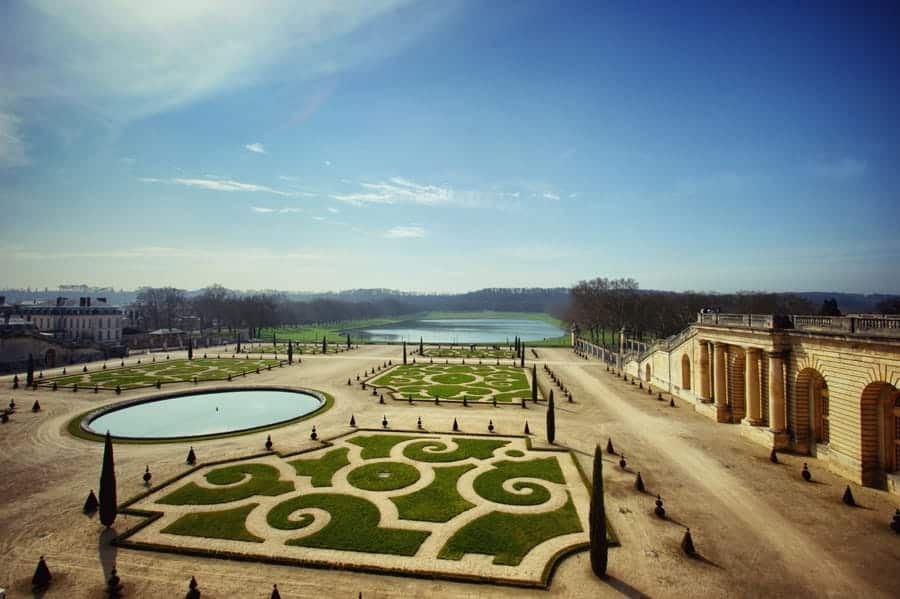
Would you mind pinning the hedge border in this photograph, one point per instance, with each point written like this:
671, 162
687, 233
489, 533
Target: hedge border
546, 577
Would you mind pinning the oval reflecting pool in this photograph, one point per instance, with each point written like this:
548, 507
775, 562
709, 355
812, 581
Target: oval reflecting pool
204, 413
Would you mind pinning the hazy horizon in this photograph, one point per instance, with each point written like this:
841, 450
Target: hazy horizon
450, 145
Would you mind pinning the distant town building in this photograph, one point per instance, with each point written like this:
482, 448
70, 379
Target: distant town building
86, 320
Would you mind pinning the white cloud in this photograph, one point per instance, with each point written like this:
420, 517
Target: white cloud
550, 195
400, 232
256, 148
266, 210
333, 210
12, 144
220, 185
399, 190
840, 170
290, 179
327, 163
147, 57
319, 218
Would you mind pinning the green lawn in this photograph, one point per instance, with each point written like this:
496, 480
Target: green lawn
509, 537
490, 484
383, 476
354, 525
438, 502
321, 470
226, 524
163, 371
258, 479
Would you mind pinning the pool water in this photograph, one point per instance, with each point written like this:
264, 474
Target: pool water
205, 413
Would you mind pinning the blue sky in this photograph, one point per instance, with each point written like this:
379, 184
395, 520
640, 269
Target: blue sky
450, 145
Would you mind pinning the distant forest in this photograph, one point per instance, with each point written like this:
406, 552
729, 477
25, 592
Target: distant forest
598, 306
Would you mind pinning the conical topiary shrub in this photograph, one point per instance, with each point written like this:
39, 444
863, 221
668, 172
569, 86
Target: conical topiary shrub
42, 576
609, 446
352, 420
622, 463
597, 519
639, 483
848, 497
527, 430
687, 544
275, 594
805, 473
108, 503
268, 442
384, 421
36, 406
455, 425
91, 503
193, 589
191, 457
313, 435
895, 523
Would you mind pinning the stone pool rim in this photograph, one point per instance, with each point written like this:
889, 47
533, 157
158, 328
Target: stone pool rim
79, 426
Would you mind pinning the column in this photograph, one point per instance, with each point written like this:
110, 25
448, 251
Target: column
777, 416
703, 371
719, 391
751, 372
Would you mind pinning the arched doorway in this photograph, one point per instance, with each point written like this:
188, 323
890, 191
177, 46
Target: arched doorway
685, 372
647, 373
810, 418
50, 358
880, 430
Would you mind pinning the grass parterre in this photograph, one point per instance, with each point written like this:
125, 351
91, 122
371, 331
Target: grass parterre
163, 371
455, 382
373, 500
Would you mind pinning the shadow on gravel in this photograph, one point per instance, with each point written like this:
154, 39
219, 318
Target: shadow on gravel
625, 588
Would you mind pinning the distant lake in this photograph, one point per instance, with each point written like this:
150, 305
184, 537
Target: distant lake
462, 330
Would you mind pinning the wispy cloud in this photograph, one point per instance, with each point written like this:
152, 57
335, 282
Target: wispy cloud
327, 163
839, 170
12, 144
220, 185
333, 210
289, 179
551, 195
399, 190
267, 210
401, 232
256, 148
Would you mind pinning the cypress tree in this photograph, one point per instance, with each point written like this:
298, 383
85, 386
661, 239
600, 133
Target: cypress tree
239, 343
90, 504
290, 351
421, 347
551, 419
108, 503
190, 349
348, 340
324, 345
29, 380
404, 352
522, 356
599, 546
534, 382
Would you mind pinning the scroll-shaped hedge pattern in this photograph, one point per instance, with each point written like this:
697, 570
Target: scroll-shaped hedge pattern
354, 525
263, 480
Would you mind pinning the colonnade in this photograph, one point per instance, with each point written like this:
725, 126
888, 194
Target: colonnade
713, 383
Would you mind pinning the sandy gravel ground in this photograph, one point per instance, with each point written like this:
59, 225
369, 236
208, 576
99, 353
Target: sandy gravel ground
760, 529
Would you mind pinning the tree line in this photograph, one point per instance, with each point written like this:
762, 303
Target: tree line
601, 307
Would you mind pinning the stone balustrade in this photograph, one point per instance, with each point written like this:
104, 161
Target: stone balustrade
868, 325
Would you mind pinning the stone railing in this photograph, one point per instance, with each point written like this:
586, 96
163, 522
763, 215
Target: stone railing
865, 325
669, 343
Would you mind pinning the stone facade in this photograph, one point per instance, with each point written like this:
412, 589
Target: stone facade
824, 386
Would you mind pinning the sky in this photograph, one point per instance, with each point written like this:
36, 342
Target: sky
450, 145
